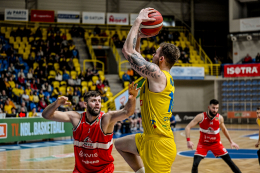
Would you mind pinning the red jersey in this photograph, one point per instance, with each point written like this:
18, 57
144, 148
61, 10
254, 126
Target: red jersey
209, 129
92, 148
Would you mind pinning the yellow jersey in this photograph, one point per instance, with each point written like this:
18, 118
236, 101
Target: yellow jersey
156, 108
258, 121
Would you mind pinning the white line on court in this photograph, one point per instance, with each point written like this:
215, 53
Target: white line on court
63, 170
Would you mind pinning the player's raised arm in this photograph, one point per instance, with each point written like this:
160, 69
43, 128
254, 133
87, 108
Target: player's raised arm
113, 116
50, 112
132, 54
193, 123
225, 131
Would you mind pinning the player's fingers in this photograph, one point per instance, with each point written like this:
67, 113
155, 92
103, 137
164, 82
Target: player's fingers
138, 88
67, 103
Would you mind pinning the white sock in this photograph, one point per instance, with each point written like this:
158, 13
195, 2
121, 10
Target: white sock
141, 170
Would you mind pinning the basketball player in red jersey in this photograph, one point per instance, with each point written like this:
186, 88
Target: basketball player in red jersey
92, 130
210, 122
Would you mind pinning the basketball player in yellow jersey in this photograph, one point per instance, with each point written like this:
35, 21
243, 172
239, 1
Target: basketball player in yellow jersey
258, 142
156, 145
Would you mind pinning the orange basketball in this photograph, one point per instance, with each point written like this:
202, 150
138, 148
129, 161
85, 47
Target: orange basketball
152, 28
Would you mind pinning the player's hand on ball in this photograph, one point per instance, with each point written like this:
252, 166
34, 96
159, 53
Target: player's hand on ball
141, 35
257, 144
143, 15
133, 90
63, 101
190, 145
233, 144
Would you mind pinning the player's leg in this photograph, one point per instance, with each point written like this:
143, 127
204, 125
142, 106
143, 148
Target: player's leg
230, 163
196, 162
126, 147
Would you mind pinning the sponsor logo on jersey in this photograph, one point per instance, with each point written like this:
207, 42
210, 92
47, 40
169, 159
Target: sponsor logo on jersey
90, 162
141, 102
82, 154
87, 143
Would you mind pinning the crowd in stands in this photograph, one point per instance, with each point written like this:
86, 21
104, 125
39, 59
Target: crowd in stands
29, 85
249, 59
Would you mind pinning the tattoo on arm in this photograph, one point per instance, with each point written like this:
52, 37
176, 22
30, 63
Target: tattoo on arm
134, 42
144, 67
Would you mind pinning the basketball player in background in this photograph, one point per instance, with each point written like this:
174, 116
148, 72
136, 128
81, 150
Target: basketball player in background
156, 146
258, 142
210, 122
92, 130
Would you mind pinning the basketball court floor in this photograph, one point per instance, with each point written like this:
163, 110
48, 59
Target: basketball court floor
57, 156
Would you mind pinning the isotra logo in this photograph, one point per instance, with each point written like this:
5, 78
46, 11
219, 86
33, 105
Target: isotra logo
242, 70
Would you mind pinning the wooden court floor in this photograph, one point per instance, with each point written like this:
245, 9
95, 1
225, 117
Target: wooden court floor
15, 161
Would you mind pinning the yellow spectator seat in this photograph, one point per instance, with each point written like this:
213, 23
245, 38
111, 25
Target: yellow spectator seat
94, 79
107, 88
90, 83
56, 66
25, 39
73, 74
63, 83
84, 83
18, 39
11, 40
52, 73
31, 39
70, 90
35, 65
121, 73
56, 84
16, 46
126, 83
84, 88
100, 72
63, 90
102, 77
109, 94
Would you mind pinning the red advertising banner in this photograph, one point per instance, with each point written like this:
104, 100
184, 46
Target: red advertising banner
244, 114
42, 16
242, 70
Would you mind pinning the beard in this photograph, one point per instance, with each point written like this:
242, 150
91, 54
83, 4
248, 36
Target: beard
212, 114
92, 111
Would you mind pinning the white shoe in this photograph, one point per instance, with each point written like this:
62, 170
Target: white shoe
118, 133
141, 129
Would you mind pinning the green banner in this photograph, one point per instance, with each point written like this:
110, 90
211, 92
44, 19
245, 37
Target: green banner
23, 129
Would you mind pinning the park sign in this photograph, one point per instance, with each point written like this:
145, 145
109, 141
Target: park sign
24, 129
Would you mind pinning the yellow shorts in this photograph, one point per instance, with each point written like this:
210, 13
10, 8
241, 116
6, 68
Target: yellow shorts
157, 153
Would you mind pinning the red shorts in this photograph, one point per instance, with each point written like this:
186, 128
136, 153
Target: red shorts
216, 148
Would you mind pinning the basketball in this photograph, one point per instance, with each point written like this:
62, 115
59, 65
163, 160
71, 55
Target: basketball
152, 28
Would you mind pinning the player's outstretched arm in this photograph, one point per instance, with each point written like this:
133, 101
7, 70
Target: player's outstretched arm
110, 118
225, 131
258, 142
50, 112
193, 123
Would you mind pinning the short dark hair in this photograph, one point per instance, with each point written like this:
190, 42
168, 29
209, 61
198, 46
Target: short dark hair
214, 102
170, 52
258, 108
91, 94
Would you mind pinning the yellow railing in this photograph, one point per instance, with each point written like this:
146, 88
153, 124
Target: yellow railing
122, 67
94, 61
110, 103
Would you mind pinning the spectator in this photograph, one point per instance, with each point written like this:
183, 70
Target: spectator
71, 65
8, 107
257, 58
81, 104
48, 100
38, 33
215, 61
77, 91
56, 92
22, 113
33, 113
77, 81
46, 87
34, 85
21, 73
41, 94
21, 80
42, 105
146, 50
30, 74
126, 77
35, 98
152, 50
75, 98
65, 76
105, 82
100, 85
13, 114
22, 106
81, 75
11, 82
247, 59
97, 30
187, 50
88, 75
58, 76
93, 87
118, 128
95, 71
130, 72
39, 86
71, 82
25, 98
186, 59
3, 97
28, 90
16, 94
